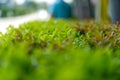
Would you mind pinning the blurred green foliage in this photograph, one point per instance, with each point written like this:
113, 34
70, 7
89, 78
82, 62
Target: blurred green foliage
59, 50
16, 10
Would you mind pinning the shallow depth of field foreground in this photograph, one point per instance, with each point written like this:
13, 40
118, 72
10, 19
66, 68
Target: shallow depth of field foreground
60, 50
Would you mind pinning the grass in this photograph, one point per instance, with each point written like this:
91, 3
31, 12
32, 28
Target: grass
60, 50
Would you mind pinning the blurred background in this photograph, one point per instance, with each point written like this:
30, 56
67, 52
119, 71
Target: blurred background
15, 12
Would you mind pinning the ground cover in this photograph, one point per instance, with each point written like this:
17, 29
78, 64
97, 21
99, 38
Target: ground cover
60, 50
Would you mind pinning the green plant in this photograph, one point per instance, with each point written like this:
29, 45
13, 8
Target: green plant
60, 50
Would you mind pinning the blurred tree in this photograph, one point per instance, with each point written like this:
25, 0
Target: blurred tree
11, 9
4, 10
